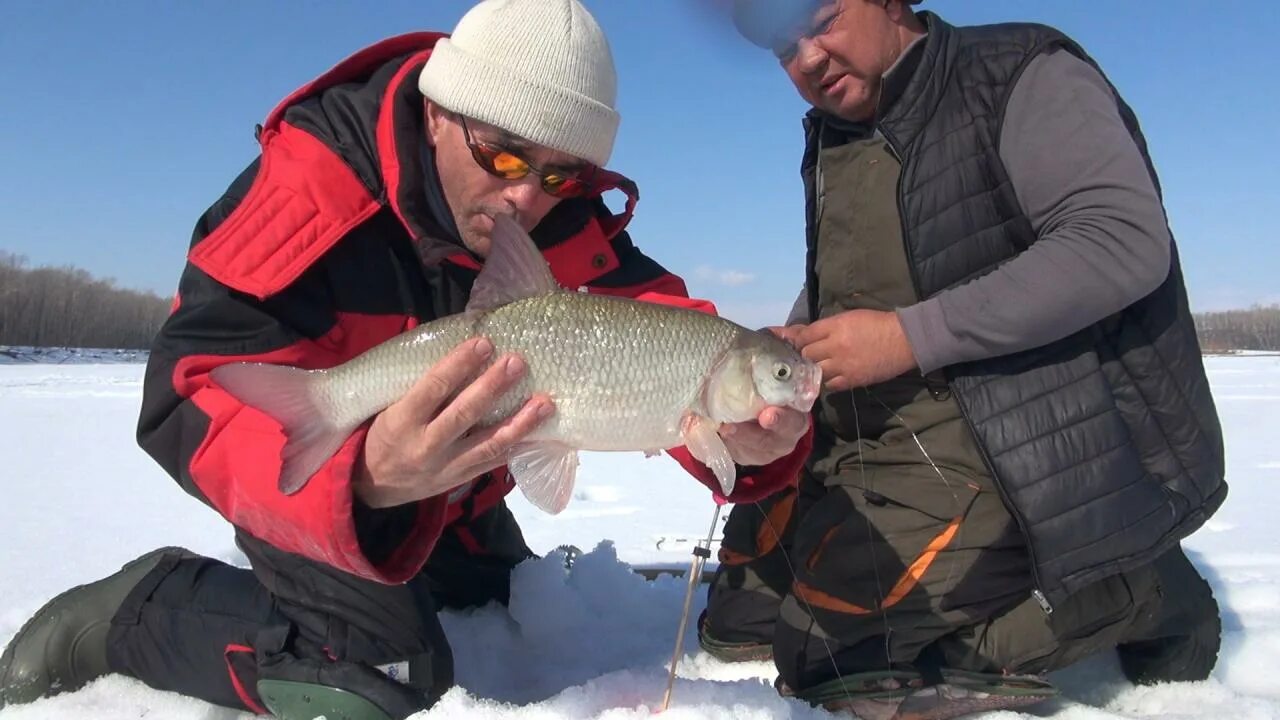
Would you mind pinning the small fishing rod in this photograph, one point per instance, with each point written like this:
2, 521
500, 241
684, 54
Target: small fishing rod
701, 552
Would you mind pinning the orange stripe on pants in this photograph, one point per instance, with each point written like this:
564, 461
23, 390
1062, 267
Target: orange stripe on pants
905, 584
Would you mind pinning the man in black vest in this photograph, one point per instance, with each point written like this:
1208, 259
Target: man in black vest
1016, 430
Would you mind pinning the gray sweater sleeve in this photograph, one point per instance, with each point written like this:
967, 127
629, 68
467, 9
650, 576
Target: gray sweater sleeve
800, 308
1102, 239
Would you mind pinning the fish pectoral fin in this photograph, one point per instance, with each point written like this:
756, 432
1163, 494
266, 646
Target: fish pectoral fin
544, 472
702, 437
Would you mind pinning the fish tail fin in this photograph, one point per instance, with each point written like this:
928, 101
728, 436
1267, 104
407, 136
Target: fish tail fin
297, 400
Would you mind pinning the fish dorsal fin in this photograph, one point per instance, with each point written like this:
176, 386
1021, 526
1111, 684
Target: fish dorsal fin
514, 270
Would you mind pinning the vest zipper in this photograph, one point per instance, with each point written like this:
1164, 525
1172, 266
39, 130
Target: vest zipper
811, 229
1036, 593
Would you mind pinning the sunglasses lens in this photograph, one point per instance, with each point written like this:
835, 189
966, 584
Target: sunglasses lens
509, 166
564, 187
506, 165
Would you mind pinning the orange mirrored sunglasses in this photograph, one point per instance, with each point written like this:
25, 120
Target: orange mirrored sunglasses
501, 162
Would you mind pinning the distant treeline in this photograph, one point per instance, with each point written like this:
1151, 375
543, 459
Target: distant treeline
66, 307
1257, 328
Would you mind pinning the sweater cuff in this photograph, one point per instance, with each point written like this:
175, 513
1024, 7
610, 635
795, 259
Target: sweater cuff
931, 341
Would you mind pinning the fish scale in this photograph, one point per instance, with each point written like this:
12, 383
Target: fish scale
622, 374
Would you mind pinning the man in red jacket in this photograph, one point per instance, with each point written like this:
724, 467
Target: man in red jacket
368, 212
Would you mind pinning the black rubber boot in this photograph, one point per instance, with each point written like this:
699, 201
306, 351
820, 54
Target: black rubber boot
1182, 637
1188, 656
63, 646
729, 651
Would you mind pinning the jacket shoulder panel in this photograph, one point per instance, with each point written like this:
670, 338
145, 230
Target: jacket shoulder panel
303, 200
354, 66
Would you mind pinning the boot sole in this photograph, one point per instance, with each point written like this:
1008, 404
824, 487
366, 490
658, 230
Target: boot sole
929, 709
969, 706
965, 693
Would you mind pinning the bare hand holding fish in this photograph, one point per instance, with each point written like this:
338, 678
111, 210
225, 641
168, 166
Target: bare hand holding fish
428, 442
855, 348
770, 436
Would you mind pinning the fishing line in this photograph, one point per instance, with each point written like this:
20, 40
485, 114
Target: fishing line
786, 556
875, 563
884, 615
959, 538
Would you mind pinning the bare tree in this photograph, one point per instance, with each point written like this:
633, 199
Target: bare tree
67, 307
1257, 328
11, 273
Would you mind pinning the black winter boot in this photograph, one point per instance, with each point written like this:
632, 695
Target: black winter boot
729, 651
1179, 640
63, 646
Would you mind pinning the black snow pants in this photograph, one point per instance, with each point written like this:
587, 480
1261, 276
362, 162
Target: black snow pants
837, 581
203, 628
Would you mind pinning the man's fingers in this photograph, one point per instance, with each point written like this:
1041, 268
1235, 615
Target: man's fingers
834, 372
749, 445
783, 421
474, 401
487, 448
820, 351
444, 379
838, 383
789, 333
772, 435
749, 435
808, 334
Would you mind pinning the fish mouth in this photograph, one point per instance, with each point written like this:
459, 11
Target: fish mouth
808, 386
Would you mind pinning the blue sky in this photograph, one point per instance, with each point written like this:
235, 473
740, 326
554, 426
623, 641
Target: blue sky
121, 122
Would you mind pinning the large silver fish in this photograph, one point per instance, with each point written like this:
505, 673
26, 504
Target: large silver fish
624, 375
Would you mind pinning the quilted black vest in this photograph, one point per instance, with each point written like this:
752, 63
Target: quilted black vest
1106, 444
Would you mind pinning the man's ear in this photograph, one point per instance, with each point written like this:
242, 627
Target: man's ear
898, 9
433, 118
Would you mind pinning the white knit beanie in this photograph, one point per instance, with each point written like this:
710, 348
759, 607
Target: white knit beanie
540, 69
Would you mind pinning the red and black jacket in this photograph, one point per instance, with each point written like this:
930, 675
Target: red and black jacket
311, 257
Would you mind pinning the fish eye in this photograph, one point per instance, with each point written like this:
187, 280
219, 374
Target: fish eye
781, 372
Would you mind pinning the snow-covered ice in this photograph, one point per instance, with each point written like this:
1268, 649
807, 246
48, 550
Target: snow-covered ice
79, 499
